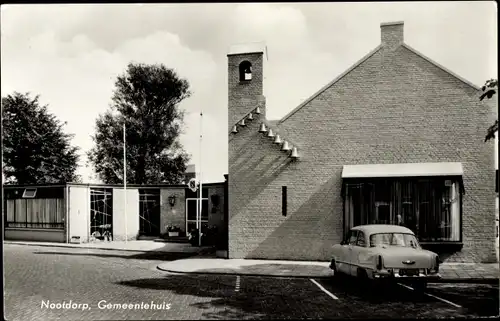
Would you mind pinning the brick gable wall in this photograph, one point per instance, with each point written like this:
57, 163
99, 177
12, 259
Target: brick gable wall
395, 107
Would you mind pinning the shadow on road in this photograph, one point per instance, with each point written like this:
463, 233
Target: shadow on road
157, 256
259, 300
480, 299
285, 298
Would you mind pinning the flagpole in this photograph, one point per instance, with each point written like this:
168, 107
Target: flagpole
125, 181
201, 184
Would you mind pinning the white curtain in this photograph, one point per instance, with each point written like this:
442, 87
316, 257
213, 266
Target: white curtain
455, 212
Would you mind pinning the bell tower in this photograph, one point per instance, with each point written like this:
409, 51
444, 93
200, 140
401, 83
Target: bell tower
245, 81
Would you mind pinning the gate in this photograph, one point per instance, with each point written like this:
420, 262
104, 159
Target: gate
149, 212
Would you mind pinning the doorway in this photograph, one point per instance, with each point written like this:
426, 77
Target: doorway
149, 212
101, 213
191, 214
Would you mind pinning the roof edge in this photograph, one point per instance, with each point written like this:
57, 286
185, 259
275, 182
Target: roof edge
246, 53
418, 53
354, 66
392, 23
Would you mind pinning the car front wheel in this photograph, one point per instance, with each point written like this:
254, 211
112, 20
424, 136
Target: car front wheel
333, 267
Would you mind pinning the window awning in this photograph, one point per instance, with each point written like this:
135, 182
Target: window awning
402, 170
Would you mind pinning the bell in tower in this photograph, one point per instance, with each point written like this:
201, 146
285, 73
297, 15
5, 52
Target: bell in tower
245, 71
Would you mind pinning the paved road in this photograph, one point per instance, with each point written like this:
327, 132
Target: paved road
40, 275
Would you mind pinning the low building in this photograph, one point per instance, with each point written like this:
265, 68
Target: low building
397, 138
83, 212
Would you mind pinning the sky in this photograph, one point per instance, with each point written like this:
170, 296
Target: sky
70, 55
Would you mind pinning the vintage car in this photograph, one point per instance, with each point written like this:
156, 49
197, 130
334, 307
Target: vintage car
386, 253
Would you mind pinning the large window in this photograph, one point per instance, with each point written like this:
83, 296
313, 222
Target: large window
34, 207
431, 208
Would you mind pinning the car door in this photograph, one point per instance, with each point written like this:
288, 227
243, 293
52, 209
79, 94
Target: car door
343, 260
358, 253
351, 242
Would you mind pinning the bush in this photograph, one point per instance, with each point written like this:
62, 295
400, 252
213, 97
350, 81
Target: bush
209, 238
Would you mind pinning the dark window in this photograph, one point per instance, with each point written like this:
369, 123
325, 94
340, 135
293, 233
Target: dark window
40, 192
245, 71
192, 210
496, 181
283, 197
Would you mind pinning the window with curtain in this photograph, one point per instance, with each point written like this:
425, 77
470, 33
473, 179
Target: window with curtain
431, 208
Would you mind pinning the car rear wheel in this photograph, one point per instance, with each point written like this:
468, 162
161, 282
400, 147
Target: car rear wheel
420, 286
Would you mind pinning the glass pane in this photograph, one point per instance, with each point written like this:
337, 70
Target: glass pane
353, 237
361, 239
204, 210
383, 213
428, 207
192, 209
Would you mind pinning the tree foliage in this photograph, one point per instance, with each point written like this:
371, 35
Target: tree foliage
146, 99
35, 148
489, 90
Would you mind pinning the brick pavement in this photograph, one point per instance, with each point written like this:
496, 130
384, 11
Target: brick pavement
87, 276
450, 272
33, 274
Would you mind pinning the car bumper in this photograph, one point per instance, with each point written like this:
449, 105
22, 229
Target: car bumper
395, 275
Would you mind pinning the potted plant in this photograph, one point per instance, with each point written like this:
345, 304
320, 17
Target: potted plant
173, 230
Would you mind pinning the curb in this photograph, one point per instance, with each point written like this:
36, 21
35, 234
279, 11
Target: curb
470, 280
63, 245
246, 274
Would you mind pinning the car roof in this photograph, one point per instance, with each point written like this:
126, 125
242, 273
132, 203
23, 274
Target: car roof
382, 228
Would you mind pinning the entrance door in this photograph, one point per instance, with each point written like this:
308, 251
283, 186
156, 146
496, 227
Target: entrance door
149, 212
192, 211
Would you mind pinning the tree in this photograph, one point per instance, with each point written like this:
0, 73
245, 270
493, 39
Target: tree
146, 99
489, 90
35, 148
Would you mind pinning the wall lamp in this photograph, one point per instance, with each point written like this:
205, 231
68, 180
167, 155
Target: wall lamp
171, 200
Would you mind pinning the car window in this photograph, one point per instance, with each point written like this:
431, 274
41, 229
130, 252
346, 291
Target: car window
353, 236
361, 239
393, 239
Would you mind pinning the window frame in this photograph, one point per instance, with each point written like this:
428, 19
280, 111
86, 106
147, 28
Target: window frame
361, 234
351, 232
26, 192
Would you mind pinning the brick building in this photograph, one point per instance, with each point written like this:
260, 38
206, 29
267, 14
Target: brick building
396, 138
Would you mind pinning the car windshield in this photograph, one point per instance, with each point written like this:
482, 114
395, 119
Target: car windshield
393, 239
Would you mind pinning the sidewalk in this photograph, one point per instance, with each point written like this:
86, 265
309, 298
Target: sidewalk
450, 272
132, 246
